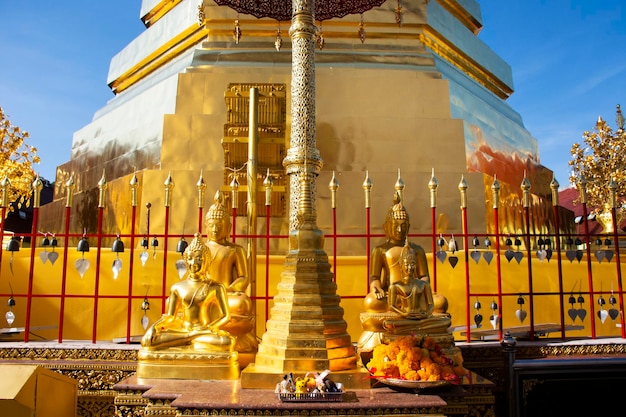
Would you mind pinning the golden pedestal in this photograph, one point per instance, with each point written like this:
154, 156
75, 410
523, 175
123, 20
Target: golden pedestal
180, 363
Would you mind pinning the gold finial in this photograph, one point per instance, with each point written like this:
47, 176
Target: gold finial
70, 185
495, 192
554, 185
619, 119
201, 186
169, 186
37, 186
463, 190
237, 32
367, 187
613, 188
234, 190
4, 185
433, 184
134, 185
399, 186
525, 186
278, 42
582, 189
217, 209
102, 185
268, 183
600, 123
333, 185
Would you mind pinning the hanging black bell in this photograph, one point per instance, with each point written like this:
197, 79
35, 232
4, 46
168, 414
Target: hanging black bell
53, 241
540, 242
612, 300
11, 302
578, 242
118, 245
601, 301
581, 299
599, 242
508, 241
155, 242
572, 299
569, 241
547, 242
494, 305
608, 242
144, 242
475, 241
477, 305
441, 242
83, 245
14, 244
182, 245
518, 242
145, 305
520, 300
45, 242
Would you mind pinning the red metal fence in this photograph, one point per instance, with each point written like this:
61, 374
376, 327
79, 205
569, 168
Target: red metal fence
502, 249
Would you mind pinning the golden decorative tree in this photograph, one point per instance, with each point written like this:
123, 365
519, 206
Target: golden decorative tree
598, 160
16, 160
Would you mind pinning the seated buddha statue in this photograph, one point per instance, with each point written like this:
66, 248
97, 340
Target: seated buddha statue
196, 308
400, 300
411, 298
230, 268
187, 341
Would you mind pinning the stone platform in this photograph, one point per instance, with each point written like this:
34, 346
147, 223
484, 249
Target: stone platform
99, 367
136, 396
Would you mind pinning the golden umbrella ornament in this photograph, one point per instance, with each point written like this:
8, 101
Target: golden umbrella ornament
282, 10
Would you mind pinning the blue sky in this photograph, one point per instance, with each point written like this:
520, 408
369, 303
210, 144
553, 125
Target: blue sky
568, 60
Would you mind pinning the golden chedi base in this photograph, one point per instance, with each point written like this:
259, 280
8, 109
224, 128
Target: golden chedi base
266, 378
186, 363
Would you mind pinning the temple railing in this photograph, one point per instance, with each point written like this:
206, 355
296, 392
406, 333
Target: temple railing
72, 285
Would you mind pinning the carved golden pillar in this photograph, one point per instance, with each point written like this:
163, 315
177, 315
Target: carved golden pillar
306, 330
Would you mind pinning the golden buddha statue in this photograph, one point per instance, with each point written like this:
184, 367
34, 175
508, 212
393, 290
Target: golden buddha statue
230, 268
400, 300
412, 297
187, 340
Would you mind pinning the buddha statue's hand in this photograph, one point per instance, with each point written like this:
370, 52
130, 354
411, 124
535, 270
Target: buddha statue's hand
238, 285
377, 290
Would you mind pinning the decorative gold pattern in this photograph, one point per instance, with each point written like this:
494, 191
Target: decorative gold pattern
528, 386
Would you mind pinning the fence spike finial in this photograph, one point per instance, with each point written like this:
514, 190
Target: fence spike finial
433, 184
554, 185
495, 192
367, 188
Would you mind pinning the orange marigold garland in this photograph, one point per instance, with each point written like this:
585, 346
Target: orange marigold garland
415, 359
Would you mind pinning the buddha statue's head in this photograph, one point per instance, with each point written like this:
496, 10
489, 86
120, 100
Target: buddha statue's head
197, 256
397, 224
217, 219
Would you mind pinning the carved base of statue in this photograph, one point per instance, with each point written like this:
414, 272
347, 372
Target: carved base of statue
187, 362
383, 327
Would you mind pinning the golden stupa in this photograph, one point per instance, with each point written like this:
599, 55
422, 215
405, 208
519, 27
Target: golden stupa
396, 89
